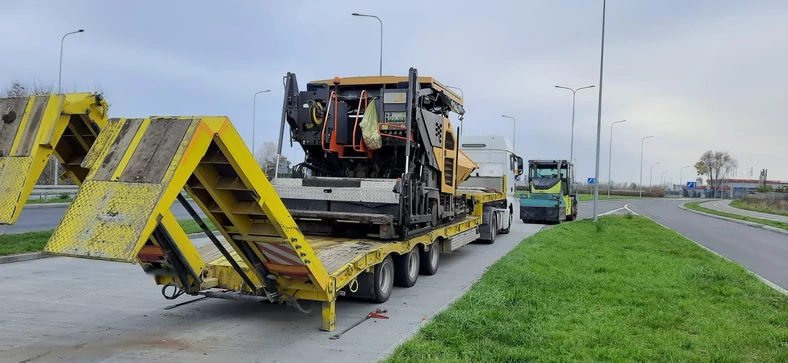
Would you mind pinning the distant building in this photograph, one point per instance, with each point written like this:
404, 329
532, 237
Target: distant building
733, 188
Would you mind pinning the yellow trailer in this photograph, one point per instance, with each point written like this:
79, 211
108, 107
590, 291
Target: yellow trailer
136, 168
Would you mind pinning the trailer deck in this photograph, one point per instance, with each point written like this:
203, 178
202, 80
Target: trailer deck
131, 170
138, 168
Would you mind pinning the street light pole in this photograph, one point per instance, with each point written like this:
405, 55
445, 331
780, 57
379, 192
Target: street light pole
610, 158
514, 136
651, 174
254, 121
462, 95
662, 177
641, 164
59, 78
60, 71
574, 93
681, 173
599, 113
381, 37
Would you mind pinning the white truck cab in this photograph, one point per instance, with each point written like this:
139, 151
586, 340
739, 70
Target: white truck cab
498, 169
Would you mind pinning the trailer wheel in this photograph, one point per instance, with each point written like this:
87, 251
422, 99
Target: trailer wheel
384, 280
406, 268
428, 264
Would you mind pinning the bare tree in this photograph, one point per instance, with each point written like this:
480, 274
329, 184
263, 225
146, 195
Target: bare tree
266, 158
715, 164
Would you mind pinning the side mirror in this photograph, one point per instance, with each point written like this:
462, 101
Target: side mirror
519, 166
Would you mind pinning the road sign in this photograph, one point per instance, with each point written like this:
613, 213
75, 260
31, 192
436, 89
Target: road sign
691, 185
591, 180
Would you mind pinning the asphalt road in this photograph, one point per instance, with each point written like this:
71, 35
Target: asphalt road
38, 219
76, 310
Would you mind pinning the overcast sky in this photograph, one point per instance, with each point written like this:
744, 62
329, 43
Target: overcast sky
697, 75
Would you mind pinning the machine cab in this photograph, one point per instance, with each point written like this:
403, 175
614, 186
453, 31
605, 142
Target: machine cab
550, 176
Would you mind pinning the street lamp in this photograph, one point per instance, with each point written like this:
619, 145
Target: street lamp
381, 37
641, 164
662, 177
462, 95
59, 78
681, 173
610, 158
60, 71
514, 136
651, 174
254, 115
574, 93
599, 112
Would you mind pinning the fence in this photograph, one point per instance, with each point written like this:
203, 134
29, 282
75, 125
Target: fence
47, 192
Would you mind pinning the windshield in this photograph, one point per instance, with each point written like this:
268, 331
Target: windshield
544, 171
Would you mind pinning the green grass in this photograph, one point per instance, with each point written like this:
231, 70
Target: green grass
50, 200
757, 207
696, 206
624, 290
584, 197
190, 226
16, 243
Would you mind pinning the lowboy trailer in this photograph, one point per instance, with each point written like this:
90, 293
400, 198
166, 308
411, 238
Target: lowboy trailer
132, 170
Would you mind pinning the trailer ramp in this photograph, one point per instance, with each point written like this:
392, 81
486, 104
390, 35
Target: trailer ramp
138, 167
35, 128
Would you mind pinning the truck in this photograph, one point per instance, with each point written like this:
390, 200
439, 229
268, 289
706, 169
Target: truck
551, 197
273, 244
494, 155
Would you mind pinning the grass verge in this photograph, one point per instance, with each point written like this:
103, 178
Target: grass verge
16, 243
622, 290
757, 207
584, 197
696, 206
50, 200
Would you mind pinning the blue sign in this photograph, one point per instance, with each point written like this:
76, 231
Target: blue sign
591, 180
691, 185
517, 178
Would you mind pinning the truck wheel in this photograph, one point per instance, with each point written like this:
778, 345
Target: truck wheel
384, 280
428, 264
509, 228
406, 268
493, 229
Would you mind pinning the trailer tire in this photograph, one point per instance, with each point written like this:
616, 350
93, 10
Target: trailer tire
429, 260
406, 268
384, 280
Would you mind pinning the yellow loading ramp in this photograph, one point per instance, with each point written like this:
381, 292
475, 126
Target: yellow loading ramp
32, 130
64, 125
115, 215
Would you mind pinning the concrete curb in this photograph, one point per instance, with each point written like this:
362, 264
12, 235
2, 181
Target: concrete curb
46, 205
739, 221
23, 257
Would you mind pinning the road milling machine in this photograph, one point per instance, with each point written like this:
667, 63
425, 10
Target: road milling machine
381, 158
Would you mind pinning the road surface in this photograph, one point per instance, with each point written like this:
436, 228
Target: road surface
725, 206
75, 310
39, 219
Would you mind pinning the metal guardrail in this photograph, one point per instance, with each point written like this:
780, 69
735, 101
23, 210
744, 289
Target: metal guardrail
47, 192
